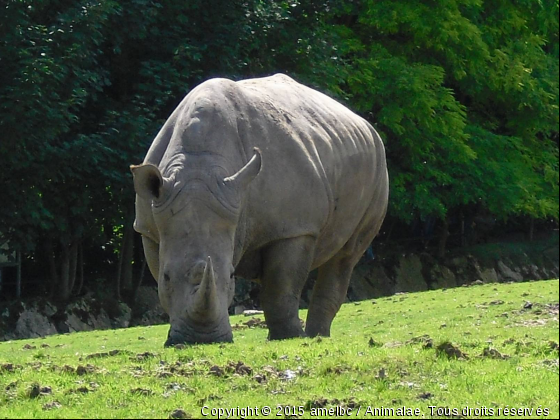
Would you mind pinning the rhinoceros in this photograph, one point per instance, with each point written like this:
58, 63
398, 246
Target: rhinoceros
262, 178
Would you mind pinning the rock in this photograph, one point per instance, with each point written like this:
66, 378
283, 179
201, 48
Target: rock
489, 275
442, 277
100, 321
409, 275
508, 274
152, 317
123, 320
34, 323
147, 298
361, 288
382, 284
239, 309
77, 316
461, 264
252, 312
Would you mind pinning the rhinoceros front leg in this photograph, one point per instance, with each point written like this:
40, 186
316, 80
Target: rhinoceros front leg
285, 269
329, 293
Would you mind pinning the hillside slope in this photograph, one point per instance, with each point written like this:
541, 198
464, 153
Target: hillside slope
486, 347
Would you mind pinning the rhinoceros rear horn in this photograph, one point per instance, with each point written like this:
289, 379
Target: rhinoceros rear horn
148, 181
205, 302
246, 174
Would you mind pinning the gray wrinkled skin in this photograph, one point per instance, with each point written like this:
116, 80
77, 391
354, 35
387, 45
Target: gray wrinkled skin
266, 179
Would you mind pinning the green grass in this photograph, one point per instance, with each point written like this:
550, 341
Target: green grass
381, 354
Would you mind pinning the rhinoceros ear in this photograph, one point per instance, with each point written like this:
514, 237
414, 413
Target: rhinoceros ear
148, 182
246, 174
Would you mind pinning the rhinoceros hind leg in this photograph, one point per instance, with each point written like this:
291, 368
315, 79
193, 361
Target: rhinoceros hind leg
329, 293
285, 269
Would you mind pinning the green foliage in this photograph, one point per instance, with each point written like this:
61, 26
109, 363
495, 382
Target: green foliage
85, 87
464, 93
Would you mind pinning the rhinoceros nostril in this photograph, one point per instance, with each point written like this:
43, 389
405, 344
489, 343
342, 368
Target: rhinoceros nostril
166, 277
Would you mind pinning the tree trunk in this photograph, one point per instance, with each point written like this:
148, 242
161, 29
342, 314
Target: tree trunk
444, 235
532, 230
128, 253
463, 242
73, 266
124, 273
119, 275
80, 270
64, 283
390, 232
49, 251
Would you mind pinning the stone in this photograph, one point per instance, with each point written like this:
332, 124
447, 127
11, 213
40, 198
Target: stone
33, 323
100, 321
409, 275
360, 286
489, 275
252, 312
239, 309
123, 320
442, 277
78, 316
75, 323
507, 274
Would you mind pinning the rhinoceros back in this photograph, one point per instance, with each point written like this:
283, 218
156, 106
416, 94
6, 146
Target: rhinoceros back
324, 171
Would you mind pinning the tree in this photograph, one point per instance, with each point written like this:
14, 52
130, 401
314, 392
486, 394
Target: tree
85, 86
465, 93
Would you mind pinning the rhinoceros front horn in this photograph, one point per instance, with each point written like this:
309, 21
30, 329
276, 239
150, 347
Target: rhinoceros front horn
205, 302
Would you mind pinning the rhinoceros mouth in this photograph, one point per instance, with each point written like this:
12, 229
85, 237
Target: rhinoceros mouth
189, 334
175, 338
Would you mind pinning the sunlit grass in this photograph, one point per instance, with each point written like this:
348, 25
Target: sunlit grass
381, 354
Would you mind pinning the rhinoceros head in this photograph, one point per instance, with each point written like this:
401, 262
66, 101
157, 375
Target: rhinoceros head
188, 235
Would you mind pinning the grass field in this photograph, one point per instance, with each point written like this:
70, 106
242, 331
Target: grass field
470, 352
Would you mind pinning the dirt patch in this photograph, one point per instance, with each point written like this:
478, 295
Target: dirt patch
106, 354
373, 343
143, 356
179, 414
269, 372
53, 405
322, 402
216, 371
251, 323
552, 308
337, 370
142, 391
35, 390
492, 353
87, 369
425, 340
238, 368
9, 367
452, 352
